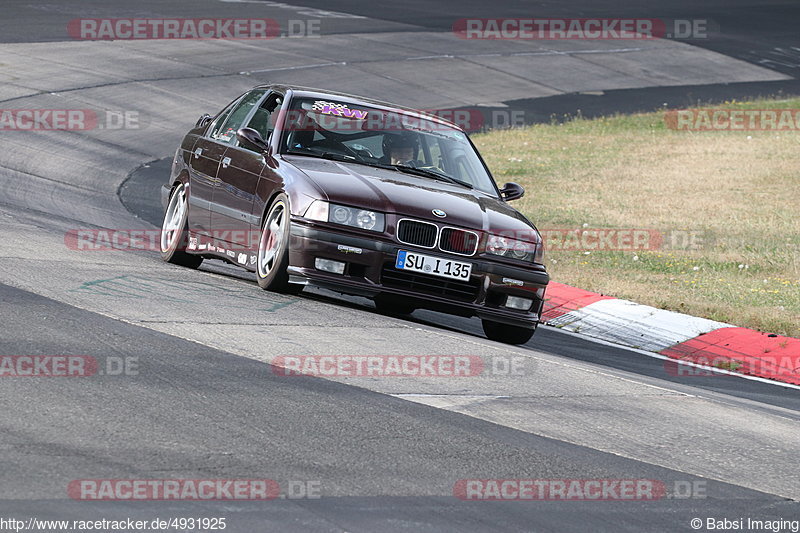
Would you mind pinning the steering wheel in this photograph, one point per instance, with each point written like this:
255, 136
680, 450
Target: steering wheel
350, 151
363, 151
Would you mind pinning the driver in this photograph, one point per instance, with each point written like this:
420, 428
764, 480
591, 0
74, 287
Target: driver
400, 148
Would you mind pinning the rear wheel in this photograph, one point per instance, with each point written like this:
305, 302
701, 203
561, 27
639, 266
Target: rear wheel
393, 305
175, 232
273, 249
505, 333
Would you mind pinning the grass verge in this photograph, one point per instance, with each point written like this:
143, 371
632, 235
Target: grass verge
737, 193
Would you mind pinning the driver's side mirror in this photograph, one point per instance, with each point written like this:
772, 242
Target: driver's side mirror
512, 191
203, 121
253, 138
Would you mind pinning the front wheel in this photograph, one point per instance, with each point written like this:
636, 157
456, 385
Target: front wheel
273, 249
508, 334
175, 231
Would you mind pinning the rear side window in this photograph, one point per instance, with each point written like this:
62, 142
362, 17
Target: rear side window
235, 119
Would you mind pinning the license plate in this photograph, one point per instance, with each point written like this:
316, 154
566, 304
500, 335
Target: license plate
435, 266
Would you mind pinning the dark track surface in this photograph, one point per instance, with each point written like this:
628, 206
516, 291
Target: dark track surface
624, 101
762, 32
213, 424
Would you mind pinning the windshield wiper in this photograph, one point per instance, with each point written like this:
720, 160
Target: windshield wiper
325, 155
430, 174
340, 157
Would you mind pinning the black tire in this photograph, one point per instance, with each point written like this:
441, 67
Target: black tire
393, 305
272, 260
175, 231
508, 334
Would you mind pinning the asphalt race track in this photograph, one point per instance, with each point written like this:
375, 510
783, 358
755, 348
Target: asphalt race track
185, 388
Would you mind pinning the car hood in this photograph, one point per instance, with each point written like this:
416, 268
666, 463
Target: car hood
391, 191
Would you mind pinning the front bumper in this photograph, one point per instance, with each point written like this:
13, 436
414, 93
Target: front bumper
370, 271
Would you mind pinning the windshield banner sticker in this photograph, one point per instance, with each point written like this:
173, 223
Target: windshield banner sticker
338, 110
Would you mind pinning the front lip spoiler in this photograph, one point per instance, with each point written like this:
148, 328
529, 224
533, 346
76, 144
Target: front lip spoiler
343, 285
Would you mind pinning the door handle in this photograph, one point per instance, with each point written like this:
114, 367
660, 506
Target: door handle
198, 152
225, 162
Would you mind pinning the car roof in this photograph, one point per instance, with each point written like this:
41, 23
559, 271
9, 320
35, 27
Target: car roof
309, 92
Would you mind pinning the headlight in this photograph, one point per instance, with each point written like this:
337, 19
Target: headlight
514, 249
346, 216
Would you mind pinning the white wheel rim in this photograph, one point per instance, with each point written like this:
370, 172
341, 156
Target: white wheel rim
172, 227
270, 246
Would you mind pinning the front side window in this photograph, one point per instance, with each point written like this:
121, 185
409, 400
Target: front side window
263, 119
221, 117
227, 131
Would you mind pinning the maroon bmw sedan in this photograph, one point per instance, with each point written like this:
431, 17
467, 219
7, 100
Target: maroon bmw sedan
307, 187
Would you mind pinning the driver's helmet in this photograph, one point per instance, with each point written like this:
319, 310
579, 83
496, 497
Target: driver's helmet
392, 141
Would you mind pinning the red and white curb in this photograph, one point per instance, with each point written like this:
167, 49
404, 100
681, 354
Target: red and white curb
699, 341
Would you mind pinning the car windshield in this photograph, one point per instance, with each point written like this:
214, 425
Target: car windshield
377, 137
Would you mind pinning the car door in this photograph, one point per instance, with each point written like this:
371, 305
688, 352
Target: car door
204, 162
240, 169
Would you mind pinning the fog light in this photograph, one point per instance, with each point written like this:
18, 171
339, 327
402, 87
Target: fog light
337, 267
515, 302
